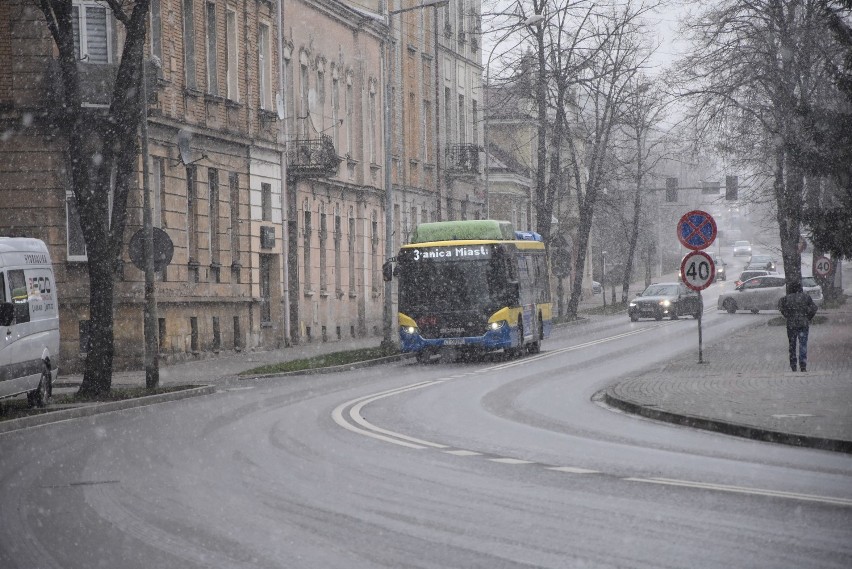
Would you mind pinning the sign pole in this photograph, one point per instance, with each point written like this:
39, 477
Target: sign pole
700, 315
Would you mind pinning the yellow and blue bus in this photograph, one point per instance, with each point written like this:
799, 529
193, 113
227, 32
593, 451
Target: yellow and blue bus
473, 286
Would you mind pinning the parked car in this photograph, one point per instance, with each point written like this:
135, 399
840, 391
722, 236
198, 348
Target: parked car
810, 286
665, 299
721, 266
761, 262
750, 274
742, 249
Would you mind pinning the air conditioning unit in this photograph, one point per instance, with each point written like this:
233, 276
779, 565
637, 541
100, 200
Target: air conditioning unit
267, 237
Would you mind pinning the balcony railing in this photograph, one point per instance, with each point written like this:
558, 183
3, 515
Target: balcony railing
462, 159
312, 158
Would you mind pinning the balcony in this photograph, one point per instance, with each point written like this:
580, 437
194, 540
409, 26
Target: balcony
312, 158
462, 160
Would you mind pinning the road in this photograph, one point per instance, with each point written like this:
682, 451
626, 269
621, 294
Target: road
509, 464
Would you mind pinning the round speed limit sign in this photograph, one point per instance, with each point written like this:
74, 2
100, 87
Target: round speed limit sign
822, 267
697, 270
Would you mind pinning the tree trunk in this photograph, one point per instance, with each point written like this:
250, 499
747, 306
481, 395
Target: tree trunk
633, 238
97, 377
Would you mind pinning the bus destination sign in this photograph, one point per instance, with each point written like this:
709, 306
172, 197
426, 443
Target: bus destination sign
454, 253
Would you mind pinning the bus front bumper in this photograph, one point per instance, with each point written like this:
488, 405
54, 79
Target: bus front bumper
491, 340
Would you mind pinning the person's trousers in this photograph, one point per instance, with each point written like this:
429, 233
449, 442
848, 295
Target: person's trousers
800, 335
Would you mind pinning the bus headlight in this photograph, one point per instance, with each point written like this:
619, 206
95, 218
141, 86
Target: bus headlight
411, 330
497, 325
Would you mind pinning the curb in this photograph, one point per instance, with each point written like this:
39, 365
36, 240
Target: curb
330, 369
89, 409
727, 428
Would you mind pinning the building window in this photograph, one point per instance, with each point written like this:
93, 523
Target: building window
92, 28
192, 213
234, 190
448, 111
350, 117
373, 118
304, 110
306, 211
264, 54
462, 124
265, 290
157, 34
323, 252
74, 231
210, 37
475, 117
232, 65
266, 201
158, 190
338, 236
426, 115
351, 252
188, 44
213, 186
321, 93
374, 250
335, 108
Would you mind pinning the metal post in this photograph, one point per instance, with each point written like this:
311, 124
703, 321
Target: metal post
387, 339
700, 314
152, 348
285, 205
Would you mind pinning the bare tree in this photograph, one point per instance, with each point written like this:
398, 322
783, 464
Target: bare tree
101, 146
642, 112
754, 70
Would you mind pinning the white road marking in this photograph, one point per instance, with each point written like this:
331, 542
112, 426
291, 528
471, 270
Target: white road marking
510, 461
744, 490
463, 452
573, 470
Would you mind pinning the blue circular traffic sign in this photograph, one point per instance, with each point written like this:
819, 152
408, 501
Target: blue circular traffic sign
696, 230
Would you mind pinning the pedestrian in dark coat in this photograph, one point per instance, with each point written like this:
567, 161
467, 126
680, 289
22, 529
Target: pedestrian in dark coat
799, 309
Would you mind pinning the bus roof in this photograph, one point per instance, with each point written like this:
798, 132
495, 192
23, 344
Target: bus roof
464, 230
517, 244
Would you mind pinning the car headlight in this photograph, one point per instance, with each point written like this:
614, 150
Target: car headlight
411, 329
632, 305
665, 303
497, 325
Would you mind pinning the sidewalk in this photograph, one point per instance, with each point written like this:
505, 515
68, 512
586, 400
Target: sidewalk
745, 387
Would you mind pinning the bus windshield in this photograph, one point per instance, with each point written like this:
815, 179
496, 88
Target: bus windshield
442, 286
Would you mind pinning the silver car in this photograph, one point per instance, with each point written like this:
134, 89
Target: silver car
763, 293
742, 249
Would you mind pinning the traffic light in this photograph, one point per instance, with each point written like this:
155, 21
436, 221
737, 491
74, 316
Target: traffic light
731, 187
671, 189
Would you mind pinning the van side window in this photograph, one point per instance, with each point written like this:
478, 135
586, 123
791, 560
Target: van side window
20, 296
2, 288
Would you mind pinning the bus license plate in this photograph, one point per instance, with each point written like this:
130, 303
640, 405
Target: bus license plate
454, 342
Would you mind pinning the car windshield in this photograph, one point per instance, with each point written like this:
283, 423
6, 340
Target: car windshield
741, 244
660, 290
809, 282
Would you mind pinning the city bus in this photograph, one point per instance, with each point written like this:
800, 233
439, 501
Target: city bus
472, 287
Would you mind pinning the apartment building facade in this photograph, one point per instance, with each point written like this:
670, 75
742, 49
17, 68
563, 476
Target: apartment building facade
246, 178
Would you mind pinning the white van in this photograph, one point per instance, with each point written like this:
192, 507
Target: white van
29, 320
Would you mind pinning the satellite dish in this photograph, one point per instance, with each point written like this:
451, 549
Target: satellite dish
279, 106
183, 139
312, 101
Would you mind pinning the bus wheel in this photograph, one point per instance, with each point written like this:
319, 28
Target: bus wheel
519, 351
535, 345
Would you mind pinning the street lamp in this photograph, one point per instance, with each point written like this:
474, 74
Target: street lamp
386, 60
531, 21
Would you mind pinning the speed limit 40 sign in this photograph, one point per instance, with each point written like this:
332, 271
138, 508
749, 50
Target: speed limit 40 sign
822, 267
697, 270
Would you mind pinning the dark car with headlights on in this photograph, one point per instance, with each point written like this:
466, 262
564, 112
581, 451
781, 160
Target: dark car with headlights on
665, 299
758, 262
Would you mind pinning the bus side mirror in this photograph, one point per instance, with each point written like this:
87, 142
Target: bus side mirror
387, 271
7, 314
